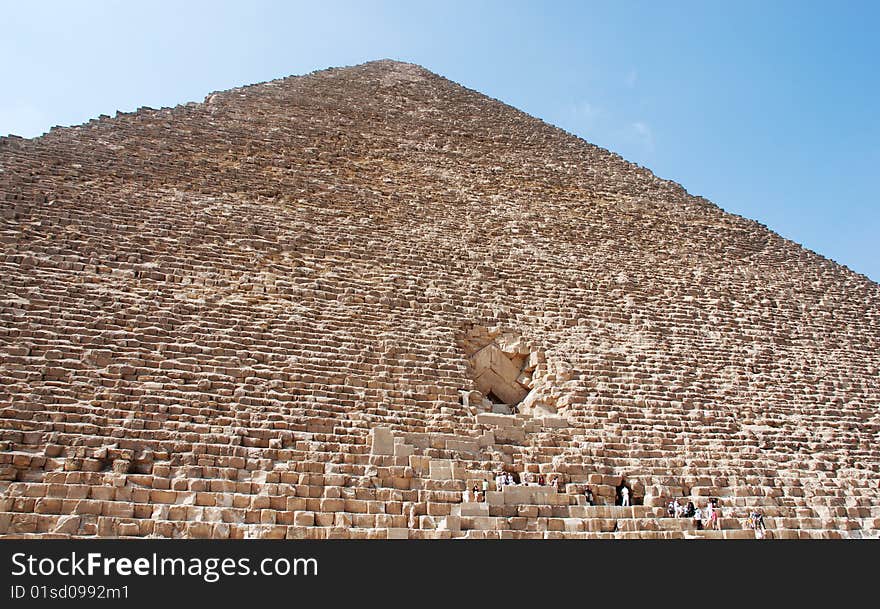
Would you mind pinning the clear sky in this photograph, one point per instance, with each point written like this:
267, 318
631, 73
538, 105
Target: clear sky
769, 109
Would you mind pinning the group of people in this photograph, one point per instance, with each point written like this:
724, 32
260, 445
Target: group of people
502, 479
540, 480
477, 493
756, 523
704, 518
708, 517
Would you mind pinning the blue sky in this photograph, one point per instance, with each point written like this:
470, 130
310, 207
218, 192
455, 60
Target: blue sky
769, 109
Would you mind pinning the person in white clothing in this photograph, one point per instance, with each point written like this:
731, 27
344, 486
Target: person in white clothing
698, 519
676, 509
624, 494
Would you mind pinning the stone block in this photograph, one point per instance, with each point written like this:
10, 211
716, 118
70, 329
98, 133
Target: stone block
325, 519
498, 420
450, 523
473, 509
381, 441
304, 519
68, 524
440, 469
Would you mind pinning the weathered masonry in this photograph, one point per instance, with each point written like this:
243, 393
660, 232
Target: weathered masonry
331, 305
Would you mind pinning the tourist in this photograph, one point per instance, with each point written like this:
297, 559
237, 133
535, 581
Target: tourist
588, 493
714, 513
476, 493
555, 483
760, 527
670, 509
509, 479
624, 496
756, 522
682, 509
698, 518
499, 481
485, 488
541, 480
690, 510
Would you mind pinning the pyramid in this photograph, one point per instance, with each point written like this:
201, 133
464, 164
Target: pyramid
329, 306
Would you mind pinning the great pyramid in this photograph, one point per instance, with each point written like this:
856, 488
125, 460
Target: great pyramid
328, 306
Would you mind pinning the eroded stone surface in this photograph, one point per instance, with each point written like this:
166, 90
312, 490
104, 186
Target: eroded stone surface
205, 310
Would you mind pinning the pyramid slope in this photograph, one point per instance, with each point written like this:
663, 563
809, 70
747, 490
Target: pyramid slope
253, 316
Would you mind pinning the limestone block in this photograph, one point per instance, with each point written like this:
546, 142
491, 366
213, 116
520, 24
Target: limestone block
158, 496
498, 420
462, 445
474, 509
356, 506
381, 441
87, 506
458, 471
65, 524
305, 519
268, 516
518, 494
481, 523
53, 450
510, 392
47, 506
401, 449
397, 533
293, 503
450, 523
495, 497
442, 509
331, 505
555, 524
604, 491
510, 435
129, 529
104, 493
323, 519
271, 532
554, 422
420, 464
440, 469
117, 509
